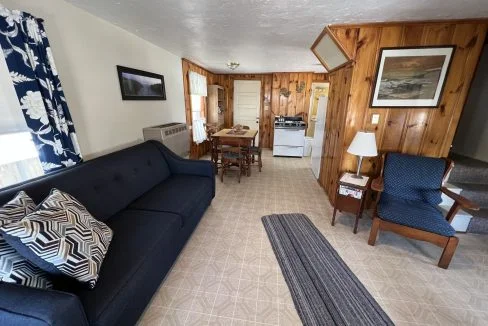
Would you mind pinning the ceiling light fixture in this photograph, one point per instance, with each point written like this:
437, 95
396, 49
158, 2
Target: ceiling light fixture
233, 65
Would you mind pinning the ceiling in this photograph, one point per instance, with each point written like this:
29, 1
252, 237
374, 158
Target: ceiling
263, 35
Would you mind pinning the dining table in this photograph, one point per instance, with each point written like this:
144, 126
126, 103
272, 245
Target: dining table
247, 137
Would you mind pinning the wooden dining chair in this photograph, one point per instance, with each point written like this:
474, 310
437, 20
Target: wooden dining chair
231, 154
253, 152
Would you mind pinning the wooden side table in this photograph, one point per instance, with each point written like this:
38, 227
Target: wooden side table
350, 195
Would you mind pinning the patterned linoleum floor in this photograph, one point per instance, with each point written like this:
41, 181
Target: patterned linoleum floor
228, 275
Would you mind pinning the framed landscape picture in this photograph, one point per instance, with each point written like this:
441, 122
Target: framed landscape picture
140, 85
411, 76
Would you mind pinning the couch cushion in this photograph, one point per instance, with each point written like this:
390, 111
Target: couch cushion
15, 268
105, 185
414, 177
61, 237
136, 235
179, 194
413, 213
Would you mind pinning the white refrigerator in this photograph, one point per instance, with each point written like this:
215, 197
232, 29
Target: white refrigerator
318, 137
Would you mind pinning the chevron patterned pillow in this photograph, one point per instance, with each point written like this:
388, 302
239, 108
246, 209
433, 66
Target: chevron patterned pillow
62, 238
14, 268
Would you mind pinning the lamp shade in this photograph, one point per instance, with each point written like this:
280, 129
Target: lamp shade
363, 144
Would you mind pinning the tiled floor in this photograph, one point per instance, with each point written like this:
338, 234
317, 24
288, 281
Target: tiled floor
228, 275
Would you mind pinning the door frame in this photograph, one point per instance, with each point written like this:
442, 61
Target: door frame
260, 109
312, 91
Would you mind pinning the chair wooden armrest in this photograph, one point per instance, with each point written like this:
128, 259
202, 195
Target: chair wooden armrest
460, 200
377, 184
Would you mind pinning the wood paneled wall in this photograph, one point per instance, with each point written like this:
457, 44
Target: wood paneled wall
273, 103
227, 81
332, 152
426, 132
195, 150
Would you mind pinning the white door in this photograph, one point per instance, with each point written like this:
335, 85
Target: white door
247, 103
318, 137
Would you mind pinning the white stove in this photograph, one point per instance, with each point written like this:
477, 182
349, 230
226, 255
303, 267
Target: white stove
289, 136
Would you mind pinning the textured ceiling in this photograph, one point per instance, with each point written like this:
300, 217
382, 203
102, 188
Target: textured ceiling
263, 35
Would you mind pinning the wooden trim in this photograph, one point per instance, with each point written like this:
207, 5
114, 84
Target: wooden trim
413, 22
377, 184
460, 200
412, 233
448, 252
197, 65
373, 234
350, 62
334, 39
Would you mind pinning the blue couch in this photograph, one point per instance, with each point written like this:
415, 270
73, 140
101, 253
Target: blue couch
152, 199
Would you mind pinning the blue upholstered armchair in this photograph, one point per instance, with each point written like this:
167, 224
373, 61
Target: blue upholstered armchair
409, 192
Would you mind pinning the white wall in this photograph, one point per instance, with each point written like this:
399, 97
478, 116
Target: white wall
86, 50
472, 134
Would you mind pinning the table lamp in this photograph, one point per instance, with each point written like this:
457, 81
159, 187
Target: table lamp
363, 145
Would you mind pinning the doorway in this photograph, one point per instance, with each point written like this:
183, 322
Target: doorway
318, 90
247, 103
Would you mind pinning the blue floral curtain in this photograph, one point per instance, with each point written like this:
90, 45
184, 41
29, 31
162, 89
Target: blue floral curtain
31, 65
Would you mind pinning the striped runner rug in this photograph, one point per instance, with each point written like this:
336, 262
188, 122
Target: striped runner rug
325, 291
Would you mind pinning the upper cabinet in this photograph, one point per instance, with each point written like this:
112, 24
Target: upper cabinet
216, 106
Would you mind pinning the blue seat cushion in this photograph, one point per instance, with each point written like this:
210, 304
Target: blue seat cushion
414, 177
179, 194
137, 236
415, 214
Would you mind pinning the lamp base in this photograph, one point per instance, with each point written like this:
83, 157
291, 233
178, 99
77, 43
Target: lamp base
358, 171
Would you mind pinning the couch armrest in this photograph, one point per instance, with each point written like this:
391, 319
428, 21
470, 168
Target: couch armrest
179, 165
377, 184
21, 305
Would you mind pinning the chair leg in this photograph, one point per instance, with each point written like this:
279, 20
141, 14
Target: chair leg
222, 169
374, 231
448, 252
260, 162
240, 171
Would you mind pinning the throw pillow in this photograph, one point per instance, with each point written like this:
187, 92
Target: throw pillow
14, 268
62, 237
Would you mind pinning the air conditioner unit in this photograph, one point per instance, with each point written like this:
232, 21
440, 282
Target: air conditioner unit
175, 136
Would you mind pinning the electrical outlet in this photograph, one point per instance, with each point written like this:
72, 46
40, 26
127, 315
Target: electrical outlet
375, 118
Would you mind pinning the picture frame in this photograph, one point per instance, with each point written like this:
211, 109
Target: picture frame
329, 51
411, 77
140, 85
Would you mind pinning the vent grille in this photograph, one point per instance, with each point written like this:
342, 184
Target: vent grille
174, 135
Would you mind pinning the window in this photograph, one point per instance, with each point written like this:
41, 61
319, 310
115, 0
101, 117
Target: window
19, 160
196, 107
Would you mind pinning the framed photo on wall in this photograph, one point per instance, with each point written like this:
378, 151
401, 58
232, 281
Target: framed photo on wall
141, 85
411, 76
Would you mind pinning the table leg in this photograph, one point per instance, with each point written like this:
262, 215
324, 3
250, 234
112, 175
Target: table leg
334, 216
355, 230
359, 215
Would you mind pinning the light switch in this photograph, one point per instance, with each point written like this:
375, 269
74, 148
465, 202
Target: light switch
375, 118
